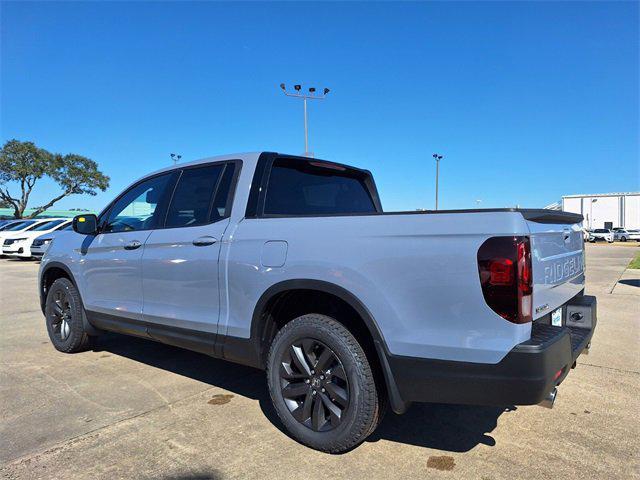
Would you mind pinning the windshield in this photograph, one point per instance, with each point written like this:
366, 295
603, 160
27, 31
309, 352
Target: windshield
64, 226
20, 225
601, 230
6, 226
47, 225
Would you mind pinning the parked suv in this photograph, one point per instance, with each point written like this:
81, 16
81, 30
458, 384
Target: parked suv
290, 265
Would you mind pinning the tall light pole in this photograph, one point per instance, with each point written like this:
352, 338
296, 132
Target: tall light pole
175, 158
311, 95
438, 158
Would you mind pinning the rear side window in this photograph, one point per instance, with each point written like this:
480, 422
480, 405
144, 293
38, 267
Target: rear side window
222, 201
200, 196
312, 188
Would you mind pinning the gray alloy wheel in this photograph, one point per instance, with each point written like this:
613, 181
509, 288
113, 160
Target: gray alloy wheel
322, 385
63, 316
314, 384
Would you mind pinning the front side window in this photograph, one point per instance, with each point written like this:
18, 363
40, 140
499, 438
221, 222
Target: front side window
298, 187
138, 208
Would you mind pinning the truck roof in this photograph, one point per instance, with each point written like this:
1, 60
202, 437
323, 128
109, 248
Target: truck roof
245, 157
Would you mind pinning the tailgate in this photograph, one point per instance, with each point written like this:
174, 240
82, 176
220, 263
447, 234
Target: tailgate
557, 258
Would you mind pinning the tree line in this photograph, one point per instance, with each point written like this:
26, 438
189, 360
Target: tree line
23, 164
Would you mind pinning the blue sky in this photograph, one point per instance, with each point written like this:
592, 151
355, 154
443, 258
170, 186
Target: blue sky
527, 101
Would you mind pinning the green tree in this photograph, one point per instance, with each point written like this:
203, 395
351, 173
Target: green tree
23, 164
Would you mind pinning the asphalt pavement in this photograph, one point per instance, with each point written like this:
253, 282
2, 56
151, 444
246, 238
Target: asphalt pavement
132, 408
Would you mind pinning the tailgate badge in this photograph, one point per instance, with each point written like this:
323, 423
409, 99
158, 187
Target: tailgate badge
542, 308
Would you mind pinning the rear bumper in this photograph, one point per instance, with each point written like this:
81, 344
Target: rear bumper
523, 377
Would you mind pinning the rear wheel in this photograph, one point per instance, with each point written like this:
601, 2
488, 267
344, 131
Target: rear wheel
321, 384
63, 314
623, 239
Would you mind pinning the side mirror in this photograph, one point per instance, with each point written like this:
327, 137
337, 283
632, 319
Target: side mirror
85, 224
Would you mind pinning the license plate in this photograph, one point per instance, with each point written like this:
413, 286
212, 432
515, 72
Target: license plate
556, 317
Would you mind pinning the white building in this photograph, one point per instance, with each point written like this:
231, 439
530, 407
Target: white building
606, 210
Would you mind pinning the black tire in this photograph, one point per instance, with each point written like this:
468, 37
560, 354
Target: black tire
623, 239
349, 375
64, 305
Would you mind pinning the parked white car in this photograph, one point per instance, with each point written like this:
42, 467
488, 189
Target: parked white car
601, 234
624, 235
18, 226
18, 243
41, 243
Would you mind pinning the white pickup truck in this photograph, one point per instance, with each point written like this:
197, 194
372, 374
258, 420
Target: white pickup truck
289, 264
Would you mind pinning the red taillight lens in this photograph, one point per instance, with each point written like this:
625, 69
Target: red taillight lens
501, 270
504, 265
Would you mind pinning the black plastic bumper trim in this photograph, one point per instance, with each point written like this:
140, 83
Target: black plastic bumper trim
523, 377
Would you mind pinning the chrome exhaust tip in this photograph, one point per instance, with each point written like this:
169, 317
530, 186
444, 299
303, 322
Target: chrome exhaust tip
550, 399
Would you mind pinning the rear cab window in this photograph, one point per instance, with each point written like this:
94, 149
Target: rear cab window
299, 187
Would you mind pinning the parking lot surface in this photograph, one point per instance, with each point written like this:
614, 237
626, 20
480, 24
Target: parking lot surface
132, 408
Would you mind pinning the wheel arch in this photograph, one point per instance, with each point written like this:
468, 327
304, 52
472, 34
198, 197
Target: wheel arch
260, 326
50, 274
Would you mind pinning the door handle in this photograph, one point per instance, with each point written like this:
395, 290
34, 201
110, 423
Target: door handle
132, 245
204, 241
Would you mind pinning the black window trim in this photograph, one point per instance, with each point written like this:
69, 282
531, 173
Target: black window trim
258, 193
176, 174
230, 195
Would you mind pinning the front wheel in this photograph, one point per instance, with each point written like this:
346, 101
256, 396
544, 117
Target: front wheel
63, 314
623, 239
322, 385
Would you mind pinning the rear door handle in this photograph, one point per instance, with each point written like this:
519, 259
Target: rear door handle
204, 241
132, 245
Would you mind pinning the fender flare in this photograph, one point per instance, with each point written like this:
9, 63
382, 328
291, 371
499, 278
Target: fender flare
398, 405
90, 329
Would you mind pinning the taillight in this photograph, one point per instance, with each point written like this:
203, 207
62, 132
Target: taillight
504, 264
